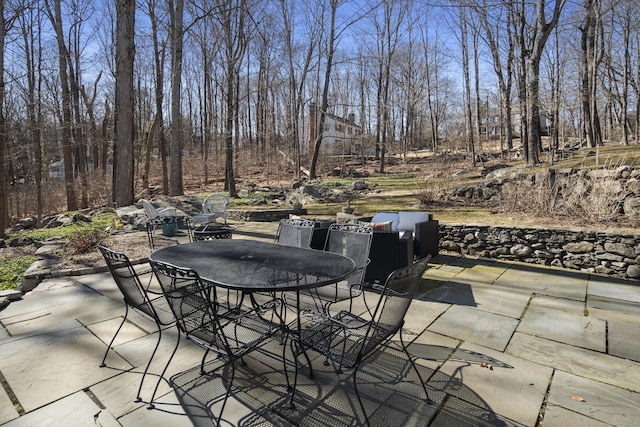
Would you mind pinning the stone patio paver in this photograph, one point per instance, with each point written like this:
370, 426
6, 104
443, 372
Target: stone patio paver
601, 401
614, 289
556, 416
63, 361
7, 410
624, 340
591, 364
546, 281
476, 326
576, 330
76, 409
514, 388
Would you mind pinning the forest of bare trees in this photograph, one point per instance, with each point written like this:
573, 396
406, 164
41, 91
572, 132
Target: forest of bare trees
117, 90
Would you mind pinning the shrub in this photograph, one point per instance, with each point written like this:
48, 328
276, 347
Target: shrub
431, 192
84, 241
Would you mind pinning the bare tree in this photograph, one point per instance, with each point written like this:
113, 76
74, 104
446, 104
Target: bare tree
159, 52
464, 45
67, 139
499, 37
333, 4
542, 31
176, 12
388, 29
123, 170
5, 25
30, 25
298, 72
591, 57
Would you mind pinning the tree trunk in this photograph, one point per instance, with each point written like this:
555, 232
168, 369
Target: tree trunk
123, 191
4, 214
325, 90
467, 83
177, 36
67, 139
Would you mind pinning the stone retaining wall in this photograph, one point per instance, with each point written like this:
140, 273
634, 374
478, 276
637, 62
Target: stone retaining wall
261, 215
593, 251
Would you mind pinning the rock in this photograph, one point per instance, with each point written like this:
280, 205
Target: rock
11, 294
451, 246
521, 251
633, 186
50, 250
360, 185
631, 206
620, 249
20, 241
578, 247
633, 271
28, 222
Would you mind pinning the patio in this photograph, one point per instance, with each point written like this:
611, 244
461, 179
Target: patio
502, 344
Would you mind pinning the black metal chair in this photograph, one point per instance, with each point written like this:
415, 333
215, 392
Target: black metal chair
352, 241
295, 232
149, 303
229, 330
348, 339
158, 240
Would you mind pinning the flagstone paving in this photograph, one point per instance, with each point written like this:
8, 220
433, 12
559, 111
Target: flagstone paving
497, 343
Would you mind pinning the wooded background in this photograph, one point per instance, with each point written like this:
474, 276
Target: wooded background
127, 92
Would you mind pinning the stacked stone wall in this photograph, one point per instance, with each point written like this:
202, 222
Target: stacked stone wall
601, 252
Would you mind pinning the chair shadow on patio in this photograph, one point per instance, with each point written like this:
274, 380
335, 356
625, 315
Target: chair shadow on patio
388, 386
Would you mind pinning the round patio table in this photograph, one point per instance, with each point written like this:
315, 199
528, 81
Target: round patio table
257, 266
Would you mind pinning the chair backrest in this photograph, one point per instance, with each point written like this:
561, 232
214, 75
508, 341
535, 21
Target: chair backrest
295, 232
129, 283
352, 241
395, 299
159, 241
149, 209
193, 304
216, 204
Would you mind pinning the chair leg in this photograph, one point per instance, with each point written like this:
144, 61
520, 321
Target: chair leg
146, 369
226, 396
355, 387
164, 371
295, 373
104, 358
415, 368
204, 357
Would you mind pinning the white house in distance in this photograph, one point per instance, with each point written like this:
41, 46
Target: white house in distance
340, 135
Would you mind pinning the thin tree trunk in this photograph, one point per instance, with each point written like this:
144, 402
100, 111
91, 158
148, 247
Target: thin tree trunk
123, 191
67, 139
177, 35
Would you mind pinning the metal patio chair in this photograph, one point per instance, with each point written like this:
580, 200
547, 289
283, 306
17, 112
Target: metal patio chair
295, 232
352, 241
157, 240
229, 331
147, 302
348, 339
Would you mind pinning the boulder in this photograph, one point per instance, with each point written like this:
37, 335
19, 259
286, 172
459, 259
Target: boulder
633, 271
631, 206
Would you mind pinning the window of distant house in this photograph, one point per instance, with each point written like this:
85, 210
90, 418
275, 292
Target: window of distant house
350, 131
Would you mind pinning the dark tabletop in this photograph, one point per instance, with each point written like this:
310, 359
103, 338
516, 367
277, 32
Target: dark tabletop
256, 265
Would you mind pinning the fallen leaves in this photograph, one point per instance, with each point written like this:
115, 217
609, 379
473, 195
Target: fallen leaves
577, 398
486, 365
